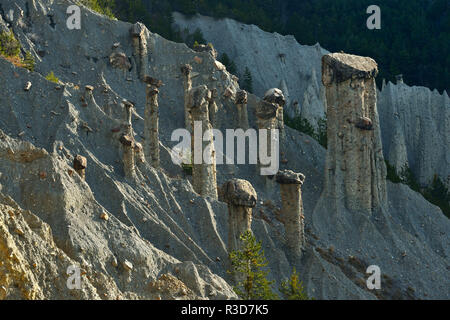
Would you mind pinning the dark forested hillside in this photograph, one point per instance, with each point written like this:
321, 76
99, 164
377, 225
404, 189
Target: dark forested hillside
414, 38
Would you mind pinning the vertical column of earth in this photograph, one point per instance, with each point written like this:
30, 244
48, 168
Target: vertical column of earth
204, 155
212, 108
355, 168
292, 211
241, 105
139, 152
187, 84
128, 142
128, 156
241, 198
140, 48
128, 107
276, 97
266, 118
151, 126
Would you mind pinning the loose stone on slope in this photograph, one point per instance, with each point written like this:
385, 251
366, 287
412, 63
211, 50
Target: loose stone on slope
27, 86
127, 265
104, 216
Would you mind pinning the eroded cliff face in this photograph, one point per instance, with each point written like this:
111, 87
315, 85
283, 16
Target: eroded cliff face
275, 61
414, 120
33, 267
415, 125
151, 235
94, 221
115, 262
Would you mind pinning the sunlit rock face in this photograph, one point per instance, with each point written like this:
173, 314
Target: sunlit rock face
415, 121
133, 238
355, 168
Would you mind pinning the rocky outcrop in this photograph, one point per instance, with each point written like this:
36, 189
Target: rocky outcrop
80, 164
355, 170
88, 98
36, 260
119, 60
33, 267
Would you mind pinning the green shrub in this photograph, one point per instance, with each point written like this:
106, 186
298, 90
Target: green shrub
392, 173
247, 81
198, 36
408, 178
187, 168
437, 193
10, 50
9, 45
303, 125
29, 62
228, 63
105, 7
248, 264
187, 163
300, 124
322, 132
192, 40
292, 288
51, 77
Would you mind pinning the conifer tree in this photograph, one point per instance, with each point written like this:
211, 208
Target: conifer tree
247, 81
9, 45
248, 264
228, 63
292, 288
29, 62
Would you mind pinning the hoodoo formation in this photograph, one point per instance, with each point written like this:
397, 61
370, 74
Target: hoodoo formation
241, 198
128, 109
186, 71
140, 48
241, 105
276, 97
152, 121
117, 205
128, 156
213, 108
204, 155
292, 211
355, 168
